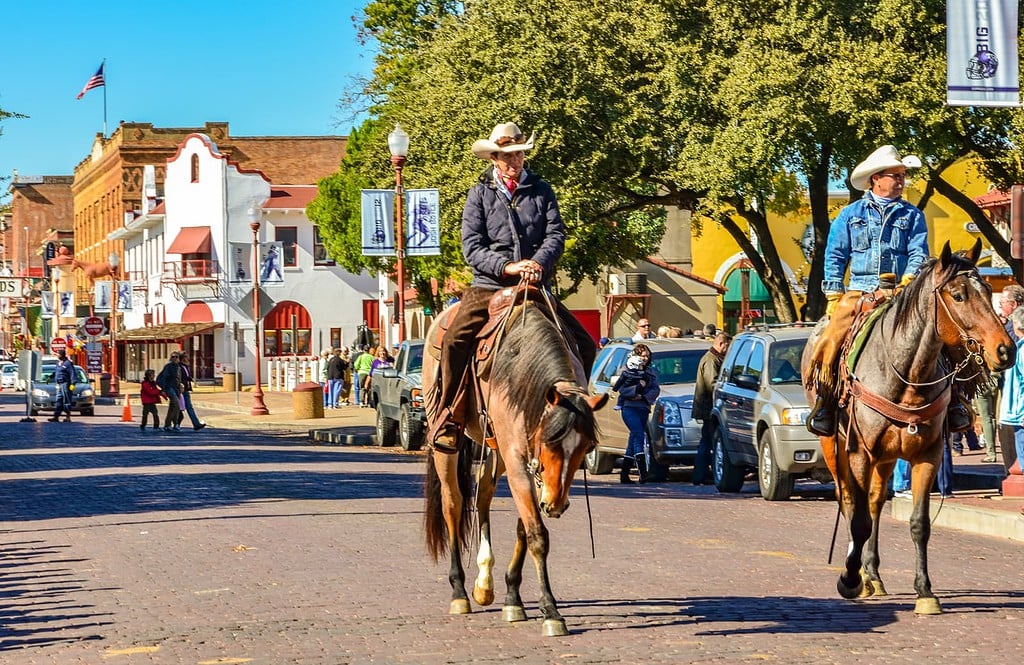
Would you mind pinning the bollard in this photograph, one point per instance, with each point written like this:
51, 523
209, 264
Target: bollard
308, 401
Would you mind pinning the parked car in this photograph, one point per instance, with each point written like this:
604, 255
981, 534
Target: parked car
8, 375
44, 392
759, 413
673, 434
397, 395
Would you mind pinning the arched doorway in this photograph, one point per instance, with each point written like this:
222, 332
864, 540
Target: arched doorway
199, 348
287, 330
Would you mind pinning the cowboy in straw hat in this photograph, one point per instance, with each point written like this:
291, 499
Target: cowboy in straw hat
882, 239
511, 231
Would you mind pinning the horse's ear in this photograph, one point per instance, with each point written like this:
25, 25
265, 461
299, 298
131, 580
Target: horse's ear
975, 252
552, 395
597, 401
945, 256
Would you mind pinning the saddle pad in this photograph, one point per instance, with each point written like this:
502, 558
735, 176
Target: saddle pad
862, 335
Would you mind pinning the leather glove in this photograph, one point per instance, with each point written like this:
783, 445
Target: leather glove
833, 302
907, 279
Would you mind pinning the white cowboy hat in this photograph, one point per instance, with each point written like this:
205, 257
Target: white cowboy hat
886, 157
506, 137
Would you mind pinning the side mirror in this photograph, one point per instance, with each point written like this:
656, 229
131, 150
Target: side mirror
747, 382
389, 372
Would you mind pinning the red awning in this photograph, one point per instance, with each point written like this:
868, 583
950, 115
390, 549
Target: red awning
191, 240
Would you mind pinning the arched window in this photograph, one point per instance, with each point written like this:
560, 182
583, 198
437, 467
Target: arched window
195, 168
287, 330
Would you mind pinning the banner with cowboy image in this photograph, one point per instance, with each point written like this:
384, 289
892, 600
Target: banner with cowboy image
981, 53
104, 294
423, 222
240, 266
272, 261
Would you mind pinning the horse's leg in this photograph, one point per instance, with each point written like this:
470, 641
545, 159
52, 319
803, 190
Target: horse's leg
536, 535
451, 498
854, 506
513, 609
877, 495
922, 474
487, 477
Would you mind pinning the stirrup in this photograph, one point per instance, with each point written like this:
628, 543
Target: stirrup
447, 437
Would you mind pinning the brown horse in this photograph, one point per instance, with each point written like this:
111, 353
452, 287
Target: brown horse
537, 409
895, 407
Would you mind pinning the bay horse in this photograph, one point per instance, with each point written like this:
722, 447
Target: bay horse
894, 406
535, 407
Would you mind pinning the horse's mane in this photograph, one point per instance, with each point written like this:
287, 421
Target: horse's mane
531, 359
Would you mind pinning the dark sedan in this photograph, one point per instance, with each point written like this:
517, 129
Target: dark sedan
44, 393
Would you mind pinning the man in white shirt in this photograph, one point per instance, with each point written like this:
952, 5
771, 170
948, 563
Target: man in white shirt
643, 331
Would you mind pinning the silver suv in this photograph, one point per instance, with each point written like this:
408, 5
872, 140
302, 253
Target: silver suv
759, 412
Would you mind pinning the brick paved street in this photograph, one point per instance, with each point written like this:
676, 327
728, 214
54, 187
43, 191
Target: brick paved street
228, 546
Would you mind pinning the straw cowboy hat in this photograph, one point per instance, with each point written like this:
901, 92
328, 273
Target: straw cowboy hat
884, 158
506, 137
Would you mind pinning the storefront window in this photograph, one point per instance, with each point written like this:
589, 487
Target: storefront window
270, 343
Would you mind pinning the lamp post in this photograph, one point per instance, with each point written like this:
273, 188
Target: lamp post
398, 144
255, 214
115, 383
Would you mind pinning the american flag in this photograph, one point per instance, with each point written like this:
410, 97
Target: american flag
95, 82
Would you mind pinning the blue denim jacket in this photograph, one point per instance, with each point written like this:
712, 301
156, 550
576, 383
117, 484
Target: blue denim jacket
871, 242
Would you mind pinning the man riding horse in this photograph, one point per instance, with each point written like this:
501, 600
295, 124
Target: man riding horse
883, 240
511, 232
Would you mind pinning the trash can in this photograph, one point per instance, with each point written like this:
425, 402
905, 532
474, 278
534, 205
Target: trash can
308, 401
230, 381
105, 384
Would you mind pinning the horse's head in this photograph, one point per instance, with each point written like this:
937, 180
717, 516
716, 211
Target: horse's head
965, 316
566, 434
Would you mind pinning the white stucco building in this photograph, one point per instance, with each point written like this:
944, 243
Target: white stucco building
190, 260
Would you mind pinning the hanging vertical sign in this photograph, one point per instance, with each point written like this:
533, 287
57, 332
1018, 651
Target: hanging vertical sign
981, 53
271, 261
124, 296
104, 295
423, 226
378, 222
240, 270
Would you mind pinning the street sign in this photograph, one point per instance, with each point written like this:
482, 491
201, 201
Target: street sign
93, 326
58, 344
93, 361
11, 287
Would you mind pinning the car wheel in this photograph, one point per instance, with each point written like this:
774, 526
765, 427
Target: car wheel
775, 484
387, 430
599, 463
410, 430
728, 478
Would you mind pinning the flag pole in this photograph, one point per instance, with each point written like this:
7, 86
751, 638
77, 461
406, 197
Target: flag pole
104, 67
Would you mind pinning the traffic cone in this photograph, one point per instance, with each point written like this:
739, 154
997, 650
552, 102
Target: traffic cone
126, 414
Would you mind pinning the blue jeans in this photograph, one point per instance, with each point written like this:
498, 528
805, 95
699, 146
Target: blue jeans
334, 386
901, 476
1018, 442
636, 421
189, 410
944, 479
63, 401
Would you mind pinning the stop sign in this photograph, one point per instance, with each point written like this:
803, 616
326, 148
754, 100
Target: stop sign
58, 344
93, 325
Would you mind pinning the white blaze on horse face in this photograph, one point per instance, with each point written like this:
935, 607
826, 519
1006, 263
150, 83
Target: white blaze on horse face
558, 475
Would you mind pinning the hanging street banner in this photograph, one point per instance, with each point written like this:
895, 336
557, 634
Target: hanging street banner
271, 263
124, 296
240, 269
66, 307
981, 53
104, 295
378, 215
423, 224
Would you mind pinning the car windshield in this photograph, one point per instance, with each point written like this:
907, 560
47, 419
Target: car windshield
79, 376
784, 361
415, 359
10, 369
677, 366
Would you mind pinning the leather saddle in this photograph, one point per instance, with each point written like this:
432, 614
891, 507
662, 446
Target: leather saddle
505, 304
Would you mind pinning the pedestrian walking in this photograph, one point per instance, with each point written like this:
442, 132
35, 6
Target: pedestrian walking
336, 369
703, 398
149, 396
638, 388
186, 394
63, 375
169, 380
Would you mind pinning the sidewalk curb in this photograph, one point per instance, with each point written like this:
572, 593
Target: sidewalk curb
972, 519
341, 436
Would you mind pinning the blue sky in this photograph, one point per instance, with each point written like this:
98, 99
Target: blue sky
267, 68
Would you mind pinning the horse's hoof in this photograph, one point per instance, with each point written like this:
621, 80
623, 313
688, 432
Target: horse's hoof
483, 597
513, 613
849, 592
459, 606
554, 628
878, 589
927, 606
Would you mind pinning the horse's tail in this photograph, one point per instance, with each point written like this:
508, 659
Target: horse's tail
434, 526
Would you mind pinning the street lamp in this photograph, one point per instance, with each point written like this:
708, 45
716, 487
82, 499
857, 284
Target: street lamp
398, 144
255, 214
115, 383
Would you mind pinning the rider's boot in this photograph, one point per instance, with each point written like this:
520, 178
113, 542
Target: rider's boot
959, 414
822, 420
